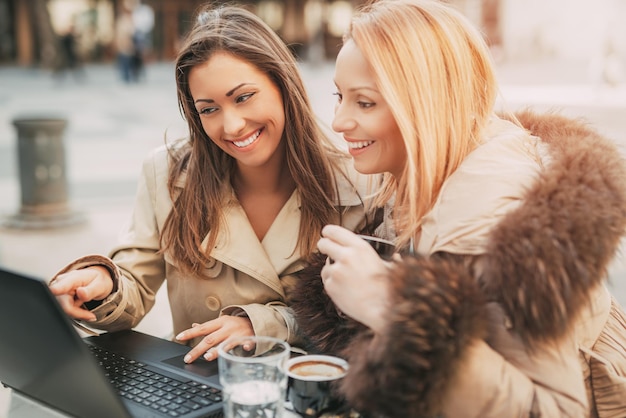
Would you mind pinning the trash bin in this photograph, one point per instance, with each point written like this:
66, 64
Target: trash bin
42, 174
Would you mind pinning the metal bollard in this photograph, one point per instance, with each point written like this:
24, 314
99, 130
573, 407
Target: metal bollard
43, 180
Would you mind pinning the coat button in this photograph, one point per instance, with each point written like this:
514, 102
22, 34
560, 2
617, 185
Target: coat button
211, 263
212, 269
212, 303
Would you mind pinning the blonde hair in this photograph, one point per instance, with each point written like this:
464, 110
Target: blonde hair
434, 70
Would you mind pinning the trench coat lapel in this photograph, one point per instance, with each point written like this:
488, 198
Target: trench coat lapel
238, 246
281, 239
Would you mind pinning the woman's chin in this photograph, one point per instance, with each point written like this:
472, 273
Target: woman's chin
366, 168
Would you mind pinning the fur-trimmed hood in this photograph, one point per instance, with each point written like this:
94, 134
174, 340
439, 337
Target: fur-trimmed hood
544, 257
542, 261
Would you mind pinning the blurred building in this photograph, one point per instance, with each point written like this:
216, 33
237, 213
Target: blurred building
516, 29
30, 29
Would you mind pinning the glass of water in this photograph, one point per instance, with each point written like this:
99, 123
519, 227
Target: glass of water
253, 377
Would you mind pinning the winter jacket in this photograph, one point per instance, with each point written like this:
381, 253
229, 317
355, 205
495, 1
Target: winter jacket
503, 310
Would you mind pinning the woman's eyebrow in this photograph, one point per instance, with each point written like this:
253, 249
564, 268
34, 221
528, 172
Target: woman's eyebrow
232, 91
228, 94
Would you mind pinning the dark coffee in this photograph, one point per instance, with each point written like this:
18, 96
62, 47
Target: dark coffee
317, 368
312, 379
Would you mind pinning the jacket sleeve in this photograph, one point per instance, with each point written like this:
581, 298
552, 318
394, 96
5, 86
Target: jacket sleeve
273, 319
135, 265
434, 358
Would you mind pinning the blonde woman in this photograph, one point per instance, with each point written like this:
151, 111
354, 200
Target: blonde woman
496, 305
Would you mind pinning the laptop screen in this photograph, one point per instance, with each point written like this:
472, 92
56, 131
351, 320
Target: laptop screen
42, 356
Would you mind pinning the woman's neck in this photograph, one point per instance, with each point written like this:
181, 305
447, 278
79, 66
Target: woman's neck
262, 179
262, 193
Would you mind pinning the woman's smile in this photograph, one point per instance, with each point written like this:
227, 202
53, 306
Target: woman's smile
243, 143
357, 146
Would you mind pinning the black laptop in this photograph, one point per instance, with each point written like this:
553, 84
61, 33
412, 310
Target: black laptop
118, 374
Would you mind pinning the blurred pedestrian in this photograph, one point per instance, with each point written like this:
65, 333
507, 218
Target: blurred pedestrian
68, 60
124, 42
137, 63
143, 20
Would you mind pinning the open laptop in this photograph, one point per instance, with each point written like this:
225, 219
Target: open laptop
43, 357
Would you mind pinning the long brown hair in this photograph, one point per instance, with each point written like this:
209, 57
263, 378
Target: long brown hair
311, 157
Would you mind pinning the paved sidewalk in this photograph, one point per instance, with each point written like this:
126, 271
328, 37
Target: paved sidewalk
113, 126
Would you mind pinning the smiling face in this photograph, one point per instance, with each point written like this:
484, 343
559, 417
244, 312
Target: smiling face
240, 109
364, 118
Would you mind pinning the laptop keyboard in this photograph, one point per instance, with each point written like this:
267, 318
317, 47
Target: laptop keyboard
140, 383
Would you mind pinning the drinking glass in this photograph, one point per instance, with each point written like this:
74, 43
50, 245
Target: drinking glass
253, 377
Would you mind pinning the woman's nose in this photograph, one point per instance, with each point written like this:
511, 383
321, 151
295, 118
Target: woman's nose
342, 122
234, 122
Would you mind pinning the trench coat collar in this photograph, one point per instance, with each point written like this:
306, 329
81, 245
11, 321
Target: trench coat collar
347, 187
238, 246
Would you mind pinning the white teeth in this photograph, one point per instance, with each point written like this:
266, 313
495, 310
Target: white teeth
248, 141
359, 144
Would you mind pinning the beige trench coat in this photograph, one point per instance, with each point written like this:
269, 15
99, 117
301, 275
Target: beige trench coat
244, 276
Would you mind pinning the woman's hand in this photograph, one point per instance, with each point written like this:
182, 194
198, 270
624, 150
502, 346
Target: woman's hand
76, 287
356, 278
214, 332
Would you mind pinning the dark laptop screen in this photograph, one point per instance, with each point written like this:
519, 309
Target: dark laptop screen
42, 357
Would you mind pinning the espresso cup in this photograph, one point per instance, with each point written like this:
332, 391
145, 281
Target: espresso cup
311, 383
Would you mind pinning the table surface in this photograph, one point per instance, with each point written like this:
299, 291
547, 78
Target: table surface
22, 407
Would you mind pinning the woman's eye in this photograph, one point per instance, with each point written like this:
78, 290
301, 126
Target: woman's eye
207, 110
365, 105
244, 97
339, 96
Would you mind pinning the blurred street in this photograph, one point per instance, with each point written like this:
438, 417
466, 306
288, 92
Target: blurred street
112, 126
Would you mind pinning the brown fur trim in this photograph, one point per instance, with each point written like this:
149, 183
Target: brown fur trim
324, 329
436, 309
544, 257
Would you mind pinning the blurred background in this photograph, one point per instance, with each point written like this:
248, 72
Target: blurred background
33, 32
98, 75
